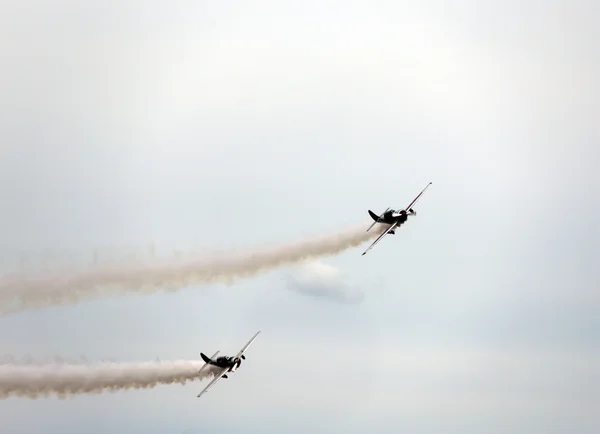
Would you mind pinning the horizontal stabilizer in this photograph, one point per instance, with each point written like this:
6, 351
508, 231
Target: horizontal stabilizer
205, 358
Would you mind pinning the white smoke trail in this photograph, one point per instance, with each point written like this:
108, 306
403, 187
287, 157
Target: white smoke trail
21, 292
39, 381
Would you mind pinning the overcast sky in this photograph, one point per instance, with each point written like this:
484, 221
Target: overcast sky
225, 125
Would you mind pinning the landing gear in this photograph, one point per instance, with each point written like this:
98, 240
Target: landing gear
392, 232
225, 376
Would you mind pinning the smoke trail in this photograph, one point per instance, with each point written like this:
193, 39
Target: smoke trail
21, 292
39, 381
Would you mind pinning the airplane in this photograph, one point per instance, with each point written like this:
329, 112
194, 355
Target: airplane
224, 364
393, 218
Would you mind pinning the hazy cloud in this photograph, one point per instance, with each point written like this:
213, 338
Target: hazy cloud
319, 280
223, 126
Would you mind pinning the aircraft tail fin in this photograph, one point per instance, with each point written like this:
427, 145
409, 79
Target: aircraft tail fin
205, 358
374, 216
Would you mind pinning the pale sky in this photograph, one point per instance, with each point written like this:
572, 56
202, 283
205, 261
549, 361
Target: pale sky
226, 125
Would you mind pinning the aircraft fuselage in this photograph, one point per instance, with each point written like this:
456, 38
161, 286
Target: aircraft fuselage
223, 362
391, 216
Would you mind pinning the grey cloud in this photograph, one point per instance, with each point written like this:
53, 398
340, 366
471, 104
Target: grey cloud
190, 125
325, 282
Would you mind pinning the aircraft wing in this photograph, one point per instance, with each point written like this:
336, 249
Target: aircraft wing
418, 196
247, 345
218, 376
380, 237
